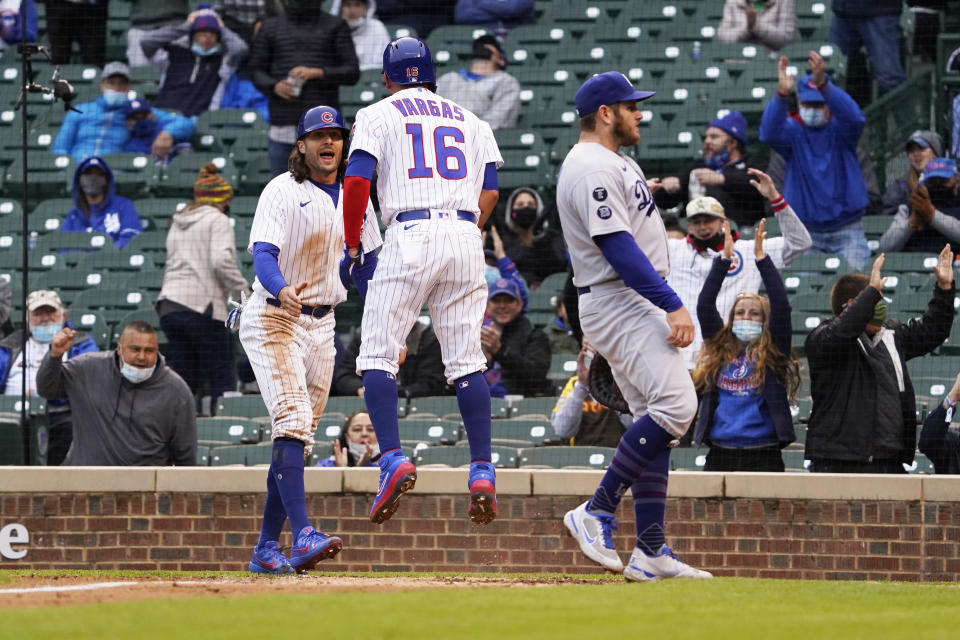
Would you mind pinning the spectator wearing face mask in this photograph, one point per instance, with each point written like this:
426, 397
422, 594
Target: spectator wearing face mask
819, 144
202, 56
484, 87
45, 318
369, 35
98, 208
932, 217
535, 248
98, 128
144, 128
922, 147
357, 444
771, 23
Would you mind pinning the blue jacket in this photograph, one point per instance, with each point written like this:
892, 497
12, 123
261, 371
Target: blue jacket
99, 130
824, 183
774, 393
242, 94
10, 349
867, 8
26, 20
115, 216
495, 15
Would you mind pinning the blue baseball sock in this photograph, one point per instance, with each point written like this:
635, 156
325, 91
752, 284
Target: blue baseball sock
287, 471
473, 398
380, 394
274, 515
638, 447
649, 503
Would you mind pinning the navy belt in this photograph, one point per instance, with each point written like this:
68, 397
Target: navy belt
583, 290
307, 310
423, 214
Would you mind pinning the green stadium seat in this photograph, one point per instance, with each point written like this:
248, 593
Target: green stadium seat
11, 405
226, 125
50, 176
116, 260
909, 262
501, 457
562, 366
345, 405
242, 454
521, 432
75, 243
254, 176
532, 407
93, 323
48, 215
11, 216
795, 460
151, 243
538, 45
566, 457
921, 464
433, 406
687, 459
178, 177
400, 31
434, 432
133, 173
143, 314
251, 406
227, 430
823, 263
356, 97
451, 45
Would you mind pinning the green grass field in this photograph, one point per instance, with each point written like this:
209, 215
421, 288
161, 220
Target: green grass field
722, 608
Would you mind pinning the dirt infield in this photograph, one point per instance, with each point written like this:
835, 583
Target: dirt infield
30, 591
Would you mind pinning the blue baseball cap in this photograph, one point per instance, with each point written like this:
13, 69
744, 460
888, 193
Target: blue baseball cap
135, 106
508, 287
734, 124
606, 88
939, 168
807, 90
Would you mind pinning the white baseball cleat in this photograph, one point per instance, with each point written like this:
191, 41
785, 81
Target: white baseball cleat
595, 535
643, 568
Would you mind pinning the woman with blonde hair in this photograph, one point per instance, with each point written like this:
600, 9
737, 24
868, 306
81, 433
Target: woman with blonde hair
200, 273
745, 370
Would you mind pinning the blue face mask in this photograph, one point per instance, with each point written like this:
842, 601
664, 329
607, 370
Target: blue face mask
144, 128
45, 332
492, 274
747, 330
200, 51
114, 99
814, 117
717, 160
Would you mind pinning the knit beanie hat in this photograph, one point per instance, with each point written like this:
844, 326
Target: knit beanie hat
211, 187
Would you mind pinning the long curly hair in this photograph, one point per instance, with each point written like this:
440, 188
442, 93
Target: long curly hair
721, 349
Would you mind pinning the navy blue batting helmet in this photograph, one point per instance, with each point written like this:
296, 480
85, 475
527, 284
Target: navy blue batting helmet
408, 61
322, 117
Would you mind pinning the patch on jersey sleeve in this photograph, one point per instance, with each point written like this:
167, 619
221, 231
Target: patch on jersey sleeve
599, 194
604, 212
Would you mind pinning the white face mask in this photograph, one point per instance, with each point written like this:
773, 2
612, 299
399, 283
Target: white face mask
356, 24
135, 375
813, 117
747, 330
359, 449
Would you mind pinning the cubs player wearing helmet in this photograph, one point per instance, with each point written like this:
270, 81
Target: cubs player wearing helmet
436, 166
618, 247
287, 325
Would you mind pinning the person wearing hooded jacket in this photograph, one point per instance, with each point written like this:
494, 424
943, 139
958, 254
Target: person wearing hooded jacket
129, 408
537, 249
98, 208
200, 273
370, 36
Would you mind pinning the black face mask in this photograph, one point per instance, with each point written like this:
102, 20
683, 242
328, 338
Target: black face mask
939, 192
524, 217
713, 242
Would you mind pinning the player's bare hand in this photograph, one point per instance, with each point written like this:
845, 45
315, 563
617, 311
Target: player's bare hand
818, 69
727, 240
62, 341
785, 81
944, 268
681, 328
764, 184
284, 90
490, 341
290, 299
339, 454
876, 278
584, 359
497, 243
654, 184
709, 177
759, 235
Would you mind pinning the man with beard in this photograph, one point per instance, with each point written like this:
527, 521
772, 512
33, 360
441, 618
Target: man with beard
721, 174
298, 60
933, 215
485, 88
692, 257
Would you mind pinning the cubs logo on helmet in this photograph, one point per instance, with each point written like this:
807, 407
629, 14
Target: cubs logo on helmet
322, 117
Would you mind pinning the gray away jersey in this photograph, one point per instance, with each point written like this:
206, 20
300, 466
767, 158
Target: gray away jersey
600, 192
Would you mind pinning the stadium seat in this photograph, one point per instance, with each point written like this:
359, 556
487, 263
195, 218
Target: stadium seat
433, 406
93, 323
521, 432
178, 177
687, 459
251, 406
434, 432
229, 124
566, 457
795, 460
242, 454
501, 457
71, 241
562, 366
115, 260
227, 430
532, 407
909, 262
822, 263
254, 176
345, 404
50, 176
10, 405
11, 216
48, 215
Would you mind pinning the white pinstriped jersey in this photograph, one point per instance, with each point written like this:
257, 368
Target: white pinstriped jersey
431, 153
600, 192
301, 220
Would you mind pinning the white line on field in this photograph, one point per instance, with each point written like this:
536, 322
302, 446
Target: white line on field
72, 587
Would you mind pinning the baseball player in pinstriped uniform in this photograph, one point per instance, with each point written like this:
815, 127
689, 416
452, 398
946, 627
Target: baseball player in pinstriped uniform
628, 312
436, 166
287, 325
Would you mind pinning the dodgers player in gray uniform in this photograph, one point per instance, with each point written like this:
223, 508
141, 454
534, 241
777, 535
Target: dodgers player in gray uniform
628, 312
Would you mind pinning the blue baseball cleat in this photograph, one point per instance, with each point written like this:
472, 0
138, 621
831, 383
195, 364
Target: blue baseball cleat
397, 476
268, 559
483, 493
311, 547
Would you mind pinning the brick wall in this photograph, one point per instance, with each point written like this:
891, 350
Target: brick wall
815, 538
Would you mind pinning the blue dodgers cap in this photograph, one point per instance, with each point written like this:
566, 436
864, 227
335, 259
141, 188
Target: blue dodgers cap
606, 88
508, 287
939, 168
733, 124
135, 106
807, 90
